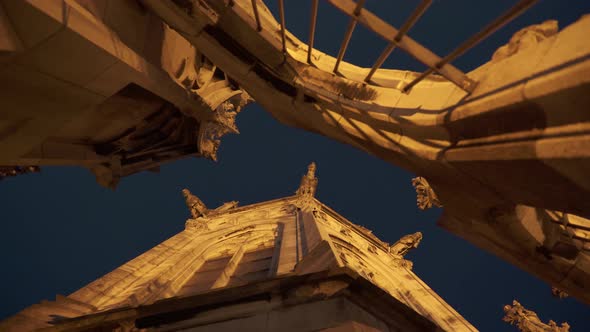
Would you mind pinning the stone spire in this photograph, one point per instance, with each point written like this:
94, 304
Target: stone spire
528, 321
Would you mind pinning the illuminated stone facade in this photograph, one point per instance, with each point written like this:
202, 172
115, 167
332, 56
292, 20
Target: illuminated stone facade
503, 148
288, 264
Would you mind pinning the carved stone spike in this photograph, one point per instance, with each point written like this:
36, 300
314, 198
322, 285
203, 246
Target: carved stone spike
525, 38
195, 205
7, 171
405, 244
528, 321
426, 197
558, 293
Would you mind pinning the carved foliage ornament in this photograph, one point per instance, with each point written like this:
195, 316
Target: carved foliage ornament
426, 197
528, 321
221, 123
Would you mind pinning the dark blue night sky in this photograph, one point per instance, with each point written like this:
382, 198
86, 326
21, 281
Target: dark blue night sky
61, 230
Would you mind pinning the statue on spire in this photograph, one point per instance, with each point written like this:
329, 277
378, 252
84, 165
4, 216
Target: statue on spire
307, 189
195, 205
528, 321
309, 182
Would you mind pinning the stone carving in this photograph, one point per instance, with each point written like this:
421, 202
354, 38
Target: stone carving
197, 225
309, 182
406, 264
372, 249
528, 321
426, 197
221, 123
525, 38
320, 215
405, 244
226, 113
6, 171
209, 139
225, 207
346, 231
289, 209
306, 191
558, 293
195, 205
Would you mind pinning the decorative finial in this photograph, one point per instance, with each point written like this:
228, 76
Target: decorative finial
426, 197
528, 321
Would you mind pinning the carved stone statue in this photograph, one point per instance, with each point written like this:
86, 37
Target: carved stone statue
528, 321
309, 182
195, 205
426, 197
558, 293
405, 244
307, 189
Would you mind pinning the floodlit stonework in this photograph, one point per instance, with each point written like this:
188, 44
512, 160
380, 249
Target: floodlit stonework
505, 147
528, 321
272, 266
114, 89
